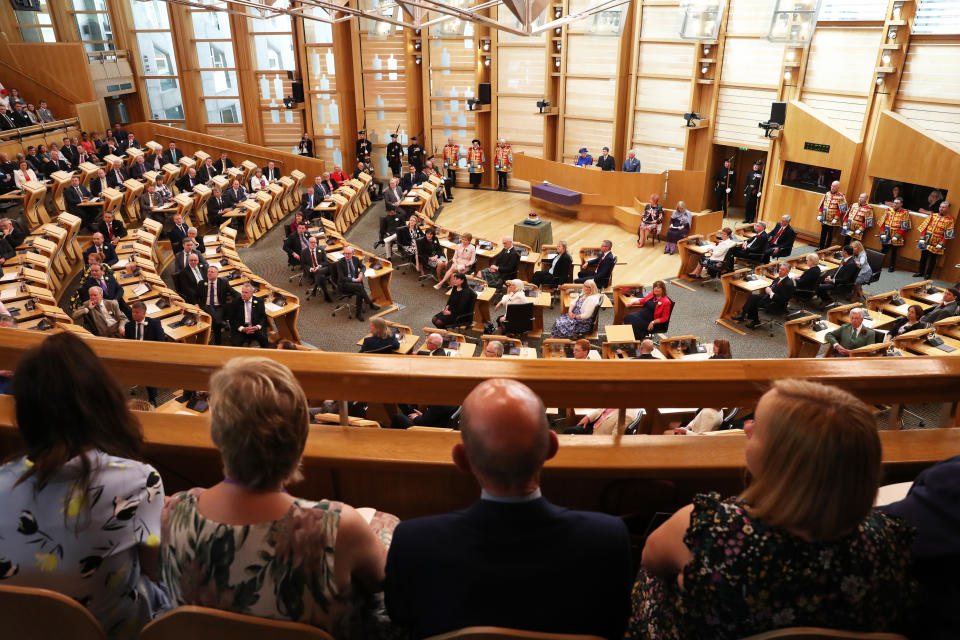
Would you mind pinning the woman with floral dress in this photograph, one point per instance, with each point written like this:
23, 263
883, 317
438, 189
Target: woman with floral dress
80, 515
801, 547
578, 319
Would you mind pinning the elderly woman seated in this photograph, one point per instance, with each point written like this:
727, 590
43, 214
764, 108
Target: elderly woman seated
578, 319
245, 544
514, 295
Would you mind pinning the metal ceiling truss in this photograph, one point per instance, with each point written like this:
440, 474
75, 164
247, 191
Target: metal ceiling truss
416, 12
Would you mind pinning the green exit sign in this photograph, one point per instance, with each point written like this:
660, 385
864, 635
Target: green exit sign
813, 146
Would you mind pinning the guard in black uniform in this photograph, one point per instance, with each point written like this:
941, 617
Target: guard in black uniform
726, 181
364, 148
752, 193
415, 154
394, 155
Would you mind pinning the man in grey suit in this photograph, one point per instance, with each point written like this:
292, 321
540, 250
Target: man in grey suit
947, 308
101, 317
851, 336
392, 196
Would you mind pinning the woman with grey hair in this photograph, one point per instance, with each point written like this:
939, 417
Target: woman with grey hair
680, 221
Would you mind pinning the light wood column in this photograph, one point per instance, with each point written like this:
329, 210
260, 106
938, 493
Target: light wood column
191, 89
246, 78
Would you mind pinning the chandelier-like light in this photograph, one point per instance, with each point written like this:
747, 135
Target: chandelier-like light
793, 21
700, 19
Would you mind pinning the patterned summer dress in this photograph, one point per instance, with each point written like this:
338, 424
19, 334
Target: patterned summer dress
747, 577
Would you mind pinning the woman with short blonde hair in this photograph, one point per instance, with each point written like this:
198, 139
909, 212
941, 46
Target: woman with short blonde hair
802, 541
292, 559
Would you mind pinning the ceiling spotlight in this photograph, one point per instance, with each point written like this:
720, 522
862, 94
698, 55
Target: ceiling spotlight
879, 79
786, 75
487, 62
706, 51
703, 70
886, 58
486, 46
557, 62
790, 55
892, 34
418, 59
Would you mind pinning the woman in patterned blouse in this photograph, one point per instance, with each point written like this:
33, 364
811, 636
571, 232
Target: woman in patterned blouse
801, 547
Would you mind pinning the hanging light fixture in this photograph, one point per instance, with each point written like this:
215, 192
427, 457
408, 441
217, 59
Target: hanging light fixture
700, 19
793, 21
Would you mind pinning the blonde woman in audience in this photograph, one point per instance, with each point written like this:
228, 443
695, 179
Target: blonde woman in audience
258, 181
860, 257
578, 319
80, 513
800, 547
248, 546
464, 257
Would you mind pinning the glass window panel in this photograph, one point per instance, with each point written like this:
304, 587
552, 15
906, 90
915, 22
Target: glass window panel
210, 25
151, 14
165, 100
31, 17
853, 10
317, 32
215, 55
93, 47
89, 5
47, 34
279, 23
29, 34
223, 111
274, 52
219, 83
94, 26
322, 75
937, 16
156, 54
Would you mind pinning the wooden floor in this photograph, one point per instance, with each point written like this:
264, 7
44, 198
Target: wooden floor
492, 214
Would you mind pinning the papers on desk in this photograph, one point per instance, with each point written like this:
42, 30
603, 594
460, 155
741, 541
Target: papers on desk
369, 273
631, 300
152, 308
696, 356
210, 251
141, 289
335, 255
8, 276
451, 353
6, 294
120, 264
272, 307
210, 239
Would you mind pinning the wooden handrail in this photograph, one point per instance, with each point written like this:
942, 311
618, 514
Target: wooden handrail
562, 383
39, 129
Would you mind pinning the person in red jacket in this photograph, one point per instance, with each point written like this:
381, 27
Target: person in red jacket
654, 310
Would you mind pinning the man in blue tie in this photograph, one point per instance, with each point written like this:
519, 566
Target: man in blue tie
350, 278
631, 164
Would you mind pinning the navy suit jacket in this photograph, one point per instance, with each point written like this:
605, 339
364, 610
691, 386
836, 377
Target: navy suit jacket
604, 269
530, 565
153, 330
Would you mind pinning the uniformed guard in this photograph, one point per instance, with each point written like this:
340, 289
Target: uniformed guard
475, 160
394, 155
858, 219
726, 181
752, 193
934, 233
503, 163
832, 208
364, 148
451, 158
893, 227
415, 154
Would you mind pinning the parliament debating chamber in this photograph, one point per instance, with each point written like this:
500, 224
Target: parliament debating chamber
756, 195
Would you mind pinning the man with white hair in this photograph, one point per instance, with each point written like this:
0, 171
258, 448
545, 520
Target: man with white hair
503, 163
494, 349
851, 336
504, 266
631, 164
100, 317
781, 238
248, 319
433, 346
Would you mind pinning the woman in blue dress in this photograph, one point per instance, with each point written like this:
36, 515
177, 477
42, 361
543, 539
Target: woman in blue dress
578, 319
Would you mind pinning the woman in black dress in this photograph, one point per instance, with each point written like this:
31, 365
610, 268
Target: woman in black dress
460, 305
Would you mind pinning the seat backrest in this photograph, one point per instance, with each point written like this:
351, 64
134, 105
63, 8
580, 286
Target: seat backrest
519, 317
673, 309
501, 633
817, 633
213, 624
41, 614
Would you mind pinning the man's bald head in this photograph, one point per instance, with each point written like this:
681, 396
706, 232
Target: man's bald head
505, 436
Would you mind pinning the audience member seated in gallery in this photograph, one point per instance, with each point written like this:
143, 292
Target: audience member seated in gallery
851, 336
556, 270
460, 304
599, 269
714, 257
654, 312
802, 542
381, 338
578, 320
296, 559
80, 512
508, 560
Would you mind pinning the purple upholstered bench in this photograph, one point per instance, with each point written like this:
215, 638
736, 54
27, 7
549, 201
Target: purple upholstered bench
557, 195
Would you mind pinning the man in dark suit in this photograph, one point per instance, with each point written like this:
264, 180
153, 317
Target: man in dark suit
751, 248
138, 168
98, 183
223, 163
504, 265
177, 233
69, 152
508, 543
248, 319
308, 201
600, 268
271, 172
776, 296
315, 267
781, 239
172, 155
188, 181
555, 270
350, 280
389, 225
296, 244
213, 297
6, 122
207, 172
116, 176
105, 249
75, 194
143, 328
9, 232
844, 276
128, 142
181, 260
111, 230
118, 133
57, 163
215, 205
946, 309
605, 161
190, 280
109, 286
412, 178
235, 194
19, 115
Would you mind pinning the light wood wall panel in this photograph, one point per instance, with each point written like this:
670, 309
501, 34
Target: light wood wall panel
660, 128
940, 121
529, 151
585, 133
738, 112
520, 70
452, 53
750, 17
932, 70
662, 58
660, 23
752, 61
282, 128
844, 112
842, 59
232, 132
592, 55
591, 97
517, 120
655, 159
669, 95
506, 17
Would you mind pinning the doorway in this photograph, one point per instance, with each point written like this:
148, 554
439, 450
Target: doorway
742, 160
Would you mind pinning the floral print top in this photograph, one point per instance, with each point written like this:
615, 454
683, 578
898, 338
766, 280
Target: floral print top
85, 544
282, 569
747, 577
